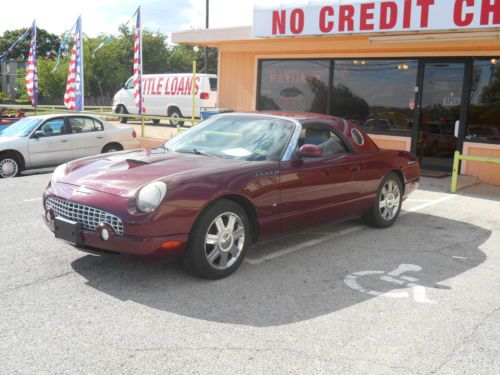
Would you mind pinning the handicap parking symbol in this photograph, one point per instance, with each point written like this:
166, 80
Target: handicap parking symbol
396, 277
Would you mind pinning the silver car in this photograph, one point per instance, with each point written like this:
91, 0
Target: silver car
49, 140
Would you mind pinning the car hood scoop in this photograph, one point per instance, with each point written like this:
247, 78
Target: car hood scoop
123, 173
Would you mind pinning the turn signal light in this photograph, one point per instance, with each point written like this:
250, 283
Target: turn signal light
171, 244
134, 134
204, 95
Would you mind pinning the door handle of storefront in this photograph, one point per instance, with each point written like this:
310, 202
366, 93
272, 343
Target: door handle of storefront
457, 126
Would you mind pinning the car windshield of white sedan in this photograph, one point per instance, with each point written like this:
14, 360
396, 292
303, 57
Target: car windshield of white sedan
22, 128
251, 138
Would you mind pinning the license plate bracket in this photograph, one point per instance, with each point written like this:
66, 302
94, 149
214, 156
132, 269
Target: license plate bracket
68, 230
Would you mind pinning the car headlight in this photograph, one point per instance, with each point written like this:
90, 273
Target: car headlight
150, 196
59, 173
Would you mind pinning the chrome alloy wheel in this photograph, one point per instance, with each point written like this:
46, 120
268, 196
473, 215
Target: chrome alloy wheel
8, 168
224, 240
389, 200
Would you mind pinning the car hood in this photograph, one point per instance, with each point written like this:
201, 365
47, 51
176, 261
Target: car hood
122, 174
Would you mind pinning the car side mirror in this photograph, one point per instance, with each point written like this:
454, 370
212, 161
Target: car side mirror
310, 151
39, 134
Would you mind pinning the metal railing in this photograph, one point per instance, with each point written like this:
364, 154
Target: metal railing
456, 163
103, 111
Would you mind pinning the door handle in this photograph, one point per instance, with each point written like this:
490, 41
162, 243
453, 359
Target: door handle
355, 168
64, 140
100, 137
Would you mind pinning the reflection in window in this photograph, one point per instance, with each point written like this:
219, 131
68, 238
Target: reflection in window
378, 95
294, 85
484, 110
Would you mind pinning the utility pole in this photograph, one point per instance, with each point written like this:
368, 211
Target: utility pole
205, 67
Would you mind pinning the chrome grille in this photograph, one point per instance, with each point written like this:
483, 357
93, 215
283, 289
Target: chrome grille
90, 218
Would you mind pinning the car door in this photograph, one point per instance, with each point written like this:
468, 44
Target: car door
314, 190
50, 144
87, 136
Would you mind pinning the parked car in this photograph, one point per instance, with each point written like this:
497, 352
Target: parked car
210, 192
49, 140
168, 95
9, 116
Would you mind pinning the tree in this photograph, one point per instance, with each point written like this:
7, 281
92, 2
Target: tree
48, 44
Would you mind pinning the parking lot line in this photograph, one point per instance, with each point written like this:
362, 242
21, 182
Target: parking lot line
327, 237
429, 204
32, 200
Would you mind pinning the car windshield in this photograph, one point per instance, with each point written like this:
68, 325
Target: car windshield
21, 128
244, 137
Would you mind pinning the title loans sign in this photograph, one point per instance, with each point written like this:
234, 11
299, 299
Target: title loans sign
347, 16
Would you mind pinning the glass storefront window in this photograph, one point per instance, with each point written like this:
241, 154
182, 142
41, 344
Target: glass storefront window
294, 85
378, 95
484, 110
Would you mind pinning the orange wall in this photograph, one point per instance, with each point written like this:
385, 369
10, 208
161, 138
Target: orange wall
486, 172
237, 81
391, 142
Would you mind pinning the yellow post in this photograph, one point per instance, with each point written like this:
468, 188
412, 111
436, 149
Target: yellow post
454, 176
193, 94
142, 126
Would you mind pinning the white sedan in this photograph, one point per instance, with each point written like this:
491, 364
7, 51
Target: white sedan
49, 140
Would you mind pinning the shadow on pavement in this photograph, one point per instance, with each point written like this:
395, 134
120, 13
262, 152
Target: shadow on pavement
302, 285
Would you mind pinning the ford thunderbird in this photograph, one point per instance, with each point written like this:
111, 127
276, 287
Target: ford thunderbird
208, 194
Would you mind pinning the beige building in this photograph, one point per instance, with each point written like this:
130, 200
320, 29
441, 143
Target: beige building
429, 92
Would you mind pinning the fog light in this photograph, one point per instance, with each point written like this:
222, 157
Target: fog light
48, 216
105, 234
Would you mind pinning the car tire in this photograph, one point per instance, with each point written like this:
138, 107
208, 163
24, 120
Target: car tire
112, 147
387, 205
175, 113
122, 111
9, 166
215, 250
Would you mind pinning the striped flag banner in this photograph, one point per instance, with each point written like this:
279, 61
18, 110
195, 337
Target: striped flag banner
74, 95
31, 70
138, 65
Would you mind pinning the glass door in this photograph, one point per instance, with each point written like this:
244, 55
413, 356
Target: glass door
440, 112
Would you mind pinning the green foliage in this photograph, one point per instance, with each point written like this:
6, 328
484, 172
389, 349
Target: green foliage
110, 67
48, 44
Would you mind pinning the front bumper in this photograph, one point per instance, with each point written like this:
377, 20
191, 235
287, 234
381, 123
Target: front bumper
141, 236
129, 244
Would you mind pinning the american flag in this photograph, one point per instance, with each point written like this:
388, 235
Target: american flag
138, 64
31, 70
73, 97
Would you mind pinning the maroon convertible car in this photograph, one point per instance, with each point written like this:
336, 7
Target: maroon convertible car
212, 191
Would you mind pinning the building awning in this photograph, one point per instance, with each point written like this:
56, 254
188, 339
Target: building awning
212, 37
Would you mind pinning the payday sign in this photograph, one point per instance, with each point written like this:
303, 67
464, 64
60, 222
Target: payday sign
348, 17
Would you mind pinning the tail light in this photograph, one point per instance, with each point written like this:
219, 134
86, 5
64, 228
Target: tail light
134, 134
204, 95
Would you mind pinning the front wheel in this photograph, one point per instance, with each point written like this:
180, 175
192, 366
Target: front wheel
9, 166
218, 241
387, 206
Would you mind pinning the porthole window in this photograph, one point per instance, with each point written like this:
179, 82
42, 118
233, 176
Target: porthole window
357, 137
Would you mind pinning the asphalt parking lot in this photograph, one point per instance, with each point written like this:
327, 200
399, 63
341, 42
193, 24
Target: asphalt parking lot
419, 298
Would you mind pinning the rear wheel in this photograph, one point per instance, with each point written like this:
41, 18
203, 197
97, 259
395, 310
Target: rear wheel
175, 114
112, 147
387, 206
122, 111
9, 166
218, 241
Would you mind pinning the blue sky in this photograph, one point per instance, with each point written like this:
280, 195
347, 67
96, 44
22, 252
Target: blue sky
104, 16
